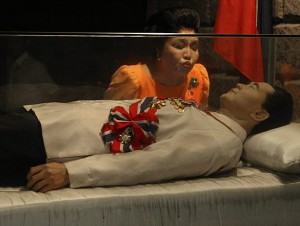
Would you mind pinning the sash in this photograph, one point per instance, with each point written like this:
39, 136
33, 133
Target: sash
133, 130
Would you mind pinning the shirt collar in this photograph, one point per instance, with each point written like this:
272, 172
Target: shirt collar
237, 128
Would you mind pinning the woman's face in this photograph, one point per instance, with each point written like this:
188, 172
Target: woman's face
180, 53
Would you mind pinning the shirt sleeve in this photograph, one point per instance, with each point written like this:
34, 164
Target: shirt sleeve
167, 159
124, 84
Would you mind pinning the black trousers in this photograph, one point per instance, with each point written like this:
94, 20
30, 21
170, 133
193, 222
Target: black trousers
21, 146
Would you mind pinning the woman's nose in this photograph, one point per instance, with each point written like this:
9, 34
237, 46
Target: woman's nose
187, 53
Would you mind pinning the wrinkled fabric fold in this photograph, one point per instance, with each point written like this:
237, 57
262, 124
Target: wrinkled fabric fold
245, 196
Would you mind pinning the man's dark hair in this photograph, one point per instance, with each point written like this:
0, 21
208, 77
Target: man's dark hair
279, 105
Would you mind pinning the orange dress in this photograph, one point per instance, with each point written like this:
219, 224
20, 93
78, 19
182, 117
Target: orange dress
135, 81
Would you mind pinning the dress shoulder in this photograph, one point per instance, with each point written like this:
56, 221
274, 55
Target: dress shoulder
200, 68
124, 83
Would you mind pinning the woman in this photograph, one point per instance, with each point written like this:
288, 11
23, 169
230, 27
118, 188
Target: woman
172, 69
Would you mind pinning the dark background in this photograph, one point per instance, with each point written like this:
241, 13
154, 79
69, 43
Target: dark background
69, 59
73, 16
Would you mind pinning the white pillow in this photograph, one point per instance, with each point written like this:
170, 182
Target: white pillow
277, 149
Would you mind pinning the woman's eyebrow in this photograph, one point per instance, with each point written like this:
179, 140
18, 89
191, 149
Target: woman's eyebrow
186, 41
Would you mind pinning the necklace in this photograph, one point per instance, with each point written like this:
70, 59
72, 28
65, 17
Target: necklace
178, 103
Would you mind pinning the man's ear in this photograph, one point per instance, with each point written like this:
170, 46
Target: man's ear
260, 115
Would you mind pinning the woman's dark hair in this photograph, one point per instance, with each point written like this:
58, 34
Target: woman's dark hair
172, 20
279, 105
169, 20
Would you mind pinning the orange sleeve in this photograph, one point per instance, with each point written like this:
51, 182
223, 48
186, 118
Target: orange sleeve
124, 84
206, 87
202, 94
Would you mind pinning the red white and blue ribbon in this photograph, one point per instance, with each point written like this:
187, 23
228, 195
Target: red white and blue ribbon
133, 130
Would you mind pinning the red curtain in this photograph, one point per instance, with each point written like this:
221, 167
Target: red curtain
239, 17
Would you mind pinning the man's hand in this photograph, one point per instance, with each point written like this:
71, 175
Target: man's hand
47, 177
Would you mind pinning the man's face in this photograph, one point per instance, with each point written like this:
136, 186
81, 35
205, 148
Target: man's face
180, 53
245, 99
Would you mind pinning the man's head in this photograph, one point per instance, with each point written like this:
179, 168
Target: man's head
257, 106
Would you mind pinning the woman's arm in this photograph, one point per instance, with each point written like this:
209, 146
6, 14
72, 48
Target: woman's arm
124, 85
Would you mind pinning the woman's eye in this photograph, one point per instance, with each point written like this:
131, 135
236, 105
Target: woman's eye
178, 46
194, 47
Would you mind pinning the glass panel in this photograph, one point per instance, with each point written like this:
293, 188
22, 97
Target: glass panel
68, 67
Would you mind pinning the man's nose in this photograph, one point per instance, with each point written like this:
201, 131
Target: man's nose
239, 85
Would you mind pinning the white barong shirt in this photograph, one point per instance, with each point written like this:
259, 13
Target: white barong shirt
188, 144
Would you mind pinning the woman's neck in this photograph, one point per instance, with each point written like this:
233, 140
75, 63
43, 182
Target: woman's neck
166, 77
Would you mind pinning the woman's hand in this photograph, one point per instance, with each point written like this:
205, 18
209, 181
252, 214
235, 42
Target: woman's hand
46, 177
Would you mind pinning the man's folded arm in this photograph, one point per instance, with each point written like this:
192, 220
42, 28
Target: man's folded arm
183, 155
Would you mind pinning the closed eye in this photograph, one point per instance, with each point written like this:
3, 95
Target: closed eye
254, 85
